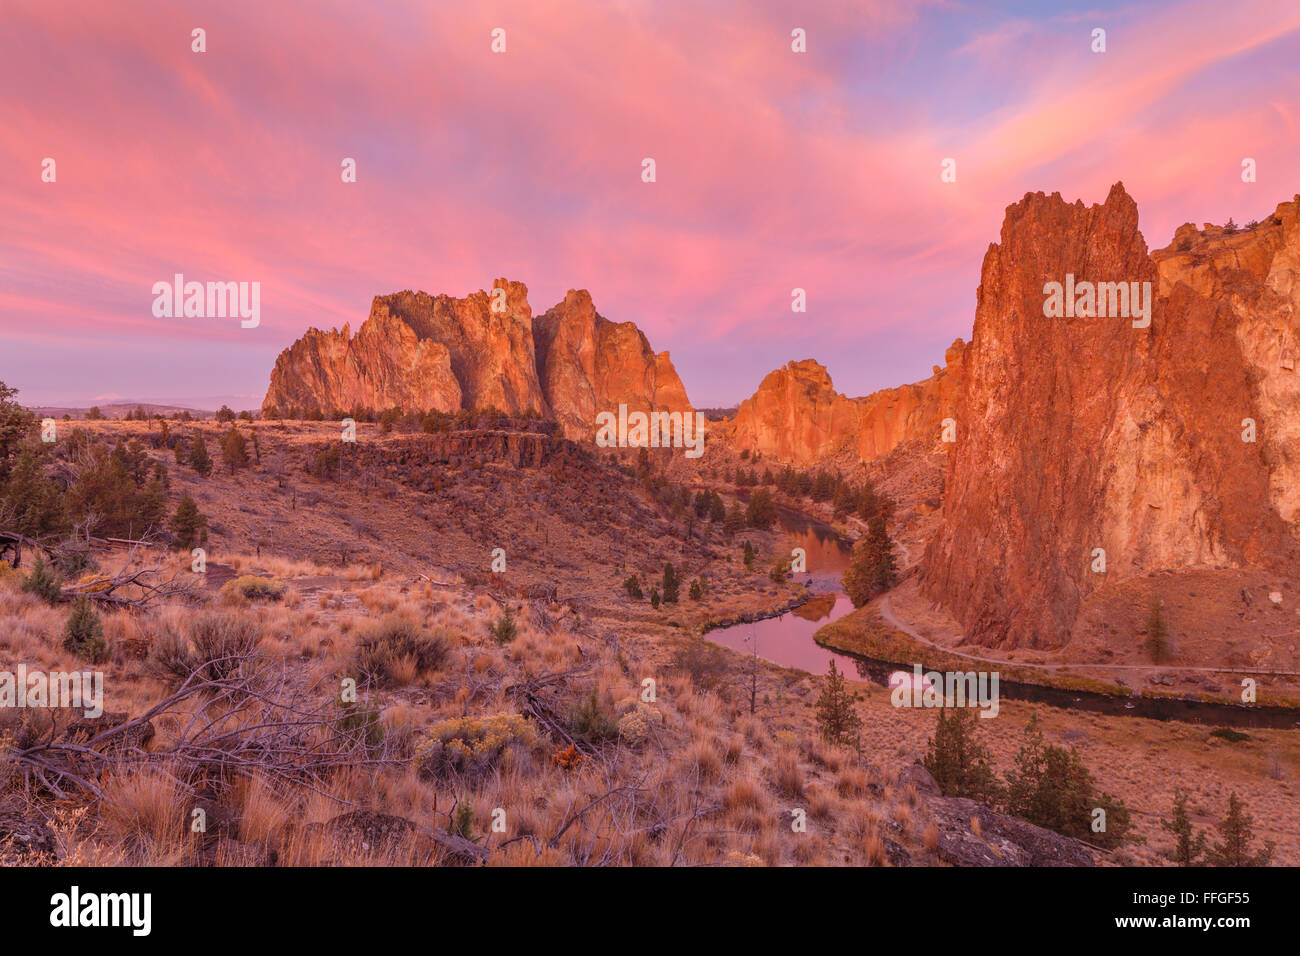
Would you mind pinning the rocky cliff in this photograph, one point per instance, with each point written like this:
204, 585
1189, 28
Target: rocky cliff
1084, 433
589, 364
796, 415
418, 351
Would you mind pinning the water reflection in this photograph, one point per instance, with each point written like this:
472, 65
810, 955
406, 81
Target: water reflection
788, 639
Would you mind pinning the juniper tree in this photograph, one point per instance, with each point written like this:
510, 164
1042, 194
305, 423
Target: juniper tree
1050, 786
837, 718
199, 458
83, 634
872, 569
957, 761
671, 584
1189, 847
1237, 833
234, 449
1157, 641
188, 524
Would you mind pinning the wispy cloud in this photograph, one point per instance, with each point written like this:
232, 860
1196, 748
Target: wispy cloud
775, 169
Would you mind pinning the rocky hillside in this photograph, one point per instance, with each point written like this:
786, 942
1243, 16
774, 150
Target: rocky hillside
796, 415
1083, 433
417, 351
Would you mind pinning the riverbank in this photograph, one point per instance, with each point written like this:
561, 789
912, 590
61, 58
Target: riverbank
865, 636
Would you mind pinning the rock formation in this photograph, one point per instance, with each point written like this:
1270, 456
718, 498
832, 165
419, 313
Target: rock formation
796, 415
1076, 434
418, 351
589, 364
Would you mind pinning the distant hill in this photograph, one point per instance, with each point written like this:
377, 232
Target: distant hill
117, 410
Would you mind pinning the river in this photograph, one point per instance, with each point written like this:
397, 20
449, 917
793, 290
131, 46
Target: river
787, 640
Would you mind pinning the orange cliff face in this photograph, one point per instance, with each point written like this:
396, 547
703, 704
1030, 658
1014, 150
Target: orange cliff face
1084, 433
796, 416
418, 351
589, 364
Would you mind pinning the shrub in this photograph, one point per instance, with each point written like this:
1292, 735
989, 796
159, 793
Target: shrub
394, 638
505, 629
1230, 735
707, 664
779, 571
83, 634
326, 463
468, 747
43, 581
697, 589
462, 821
254, 588
171, 654
654, 596
567, 759
749, 555
633, 587
591, 721
360, 723
220, 643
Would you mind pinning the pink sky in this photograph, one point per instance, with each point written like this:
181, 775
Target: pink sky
775, 170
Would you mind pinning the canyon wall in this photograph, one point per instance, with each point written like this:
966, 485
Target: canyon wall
796, 416
1075, 434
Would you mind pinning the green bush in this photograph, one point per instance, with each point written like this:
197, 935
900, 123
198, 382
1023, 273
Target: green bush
361, 723
83, 634
959, 764
505, 629
1230, 735
43, 581
591, 721
1050, 786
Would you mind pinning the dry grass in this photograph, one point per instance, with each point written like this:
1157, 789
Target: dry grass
711, 785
